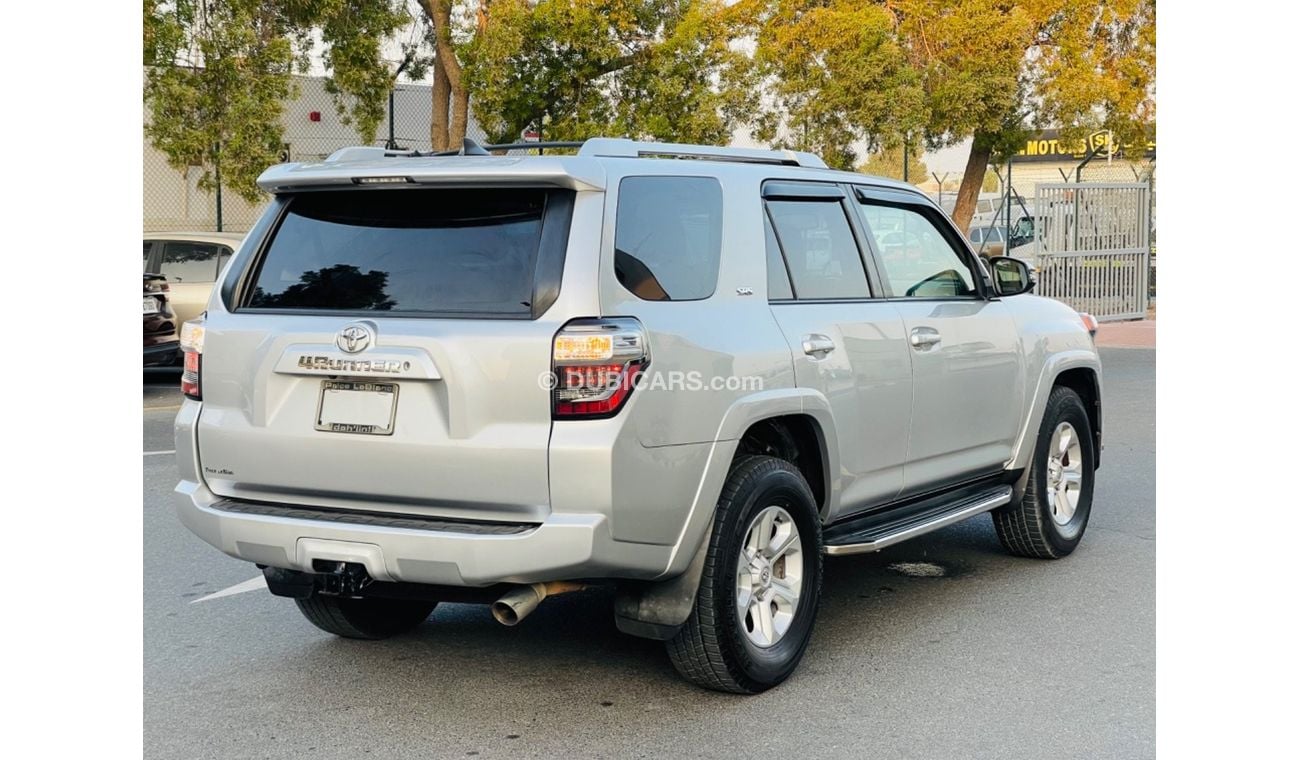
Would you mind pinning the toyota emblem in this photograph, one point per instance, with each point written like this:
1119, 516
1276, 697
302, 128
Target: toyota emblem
355, 338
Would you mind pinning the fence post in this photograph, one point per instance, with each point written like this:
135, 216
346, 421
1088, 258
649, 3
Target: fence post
218, 173
392, 135
907, 150
1074, 226
1006, 243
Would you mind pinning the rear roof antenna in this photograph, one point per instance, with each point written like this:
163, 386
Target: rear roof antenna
470, 148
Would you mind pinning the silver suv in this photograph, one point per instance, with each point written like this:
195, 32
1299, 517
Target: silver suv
685, 372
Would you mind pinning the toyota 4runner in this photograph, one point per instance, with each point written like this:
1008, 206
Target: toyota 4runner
688, 372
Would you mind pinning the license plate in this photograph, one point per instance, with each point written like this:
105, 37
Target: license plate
357, 407
150, 305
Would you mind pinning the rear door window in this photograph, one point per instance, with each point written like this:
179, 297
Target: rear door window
778, 280
819, 249
461, 252
668, 237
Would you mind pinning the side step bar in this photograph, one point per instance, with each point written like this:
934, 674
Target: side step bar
873, 532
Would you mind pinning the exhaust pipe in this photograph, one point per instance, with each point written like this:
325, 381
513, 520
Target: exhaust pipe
519, 602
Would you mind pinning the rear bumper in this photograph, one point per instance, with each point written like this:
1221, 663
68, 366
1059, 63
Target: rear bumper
565, 546
162, 353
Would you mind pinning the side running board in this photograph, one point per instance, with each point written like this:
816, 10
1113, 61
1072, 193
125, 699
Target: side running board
874, 531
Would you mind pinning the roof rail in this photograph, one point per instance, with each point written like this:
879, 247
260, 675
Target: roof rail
611, 147
470, 146
607, 147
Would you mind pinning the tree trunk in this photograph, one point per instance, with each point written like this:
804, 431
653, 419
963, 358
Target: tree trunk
439, 13
459, 118
971, 181
441, 106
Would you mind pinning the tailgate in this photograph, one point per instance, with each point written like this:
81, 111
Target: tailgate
385, 355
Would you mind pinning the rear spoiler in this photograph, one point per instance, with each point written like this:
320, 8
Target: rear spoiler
375, 166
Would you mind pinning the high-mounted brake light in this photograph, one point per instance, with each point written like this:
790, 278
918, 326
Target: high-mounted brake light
595, 364
382, 180
192, 346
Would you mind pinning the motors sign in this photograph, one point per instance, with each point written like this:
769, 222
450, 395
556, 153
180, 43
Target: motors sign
1048, 145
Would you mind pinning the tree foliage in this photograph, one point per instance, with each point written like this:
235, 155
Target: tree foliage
658, 69
887, 161
833, 72
219, 72
836, 73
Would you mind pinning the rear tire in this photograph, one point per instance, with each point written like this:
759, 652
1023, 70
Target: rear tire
1049, 520
366, 618
766, 503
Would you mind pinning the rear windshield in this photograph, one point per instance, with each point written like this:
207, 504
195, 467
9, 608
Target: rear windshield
461, 251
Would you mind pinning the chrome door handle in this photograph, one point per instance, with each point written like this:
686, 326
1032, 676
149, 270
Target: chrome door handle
817, 346
924, 337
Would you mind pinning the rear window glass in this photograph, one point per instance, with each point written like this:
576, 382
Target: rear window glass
668, 237
443, 251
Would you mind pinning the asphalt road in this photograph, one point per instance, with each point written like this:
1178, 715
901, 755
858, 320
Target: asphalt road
999, 657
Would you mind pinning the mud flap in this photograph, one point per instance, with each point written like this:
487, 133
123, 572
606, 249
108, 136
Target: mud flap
657, 610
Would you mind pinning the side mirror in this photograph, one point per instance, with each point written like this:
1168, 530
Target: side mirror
1010, 276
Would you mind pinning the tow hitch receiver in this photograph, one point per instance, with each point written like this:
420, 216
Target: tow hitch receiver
345, 579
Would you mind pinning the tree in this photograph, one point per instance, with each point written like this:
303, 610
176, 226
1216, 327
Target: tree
646, 68
839, 72
450, 88
218, 73
993, 68
887, 161
832, 73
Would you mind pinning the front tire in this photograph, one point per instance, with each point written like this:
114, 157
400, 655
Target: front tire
758, 595
366, 618
1050, 518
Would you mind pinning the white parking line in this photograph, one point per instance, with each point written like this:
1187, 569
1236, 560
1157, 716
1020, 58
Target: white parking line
159, 453
252, 584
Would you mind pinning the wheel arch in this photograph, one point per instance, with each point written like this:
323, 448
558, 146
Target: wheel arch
752, 412
1079, 370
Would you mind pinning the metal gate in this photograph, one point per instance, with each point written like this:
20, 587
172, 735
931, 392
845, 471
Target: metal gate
1092, 243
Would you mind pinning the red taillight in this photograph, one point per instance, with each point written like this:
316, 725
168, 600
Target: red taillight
192, 334
595, 366
190, 376
576, 384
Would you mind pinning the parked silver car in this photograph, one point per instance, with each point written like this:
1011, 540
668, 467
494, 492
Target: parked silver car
497, 378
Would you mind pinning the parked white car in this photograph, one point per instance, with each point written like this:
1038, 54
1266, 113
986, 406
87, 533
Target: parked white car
191, 262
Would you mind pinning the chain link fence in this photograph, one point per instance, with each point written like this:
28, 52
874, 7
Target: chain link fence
313, 129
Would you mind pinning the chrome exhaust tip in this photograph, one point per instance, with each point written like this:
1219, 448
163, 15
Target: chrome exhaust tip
520, 601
